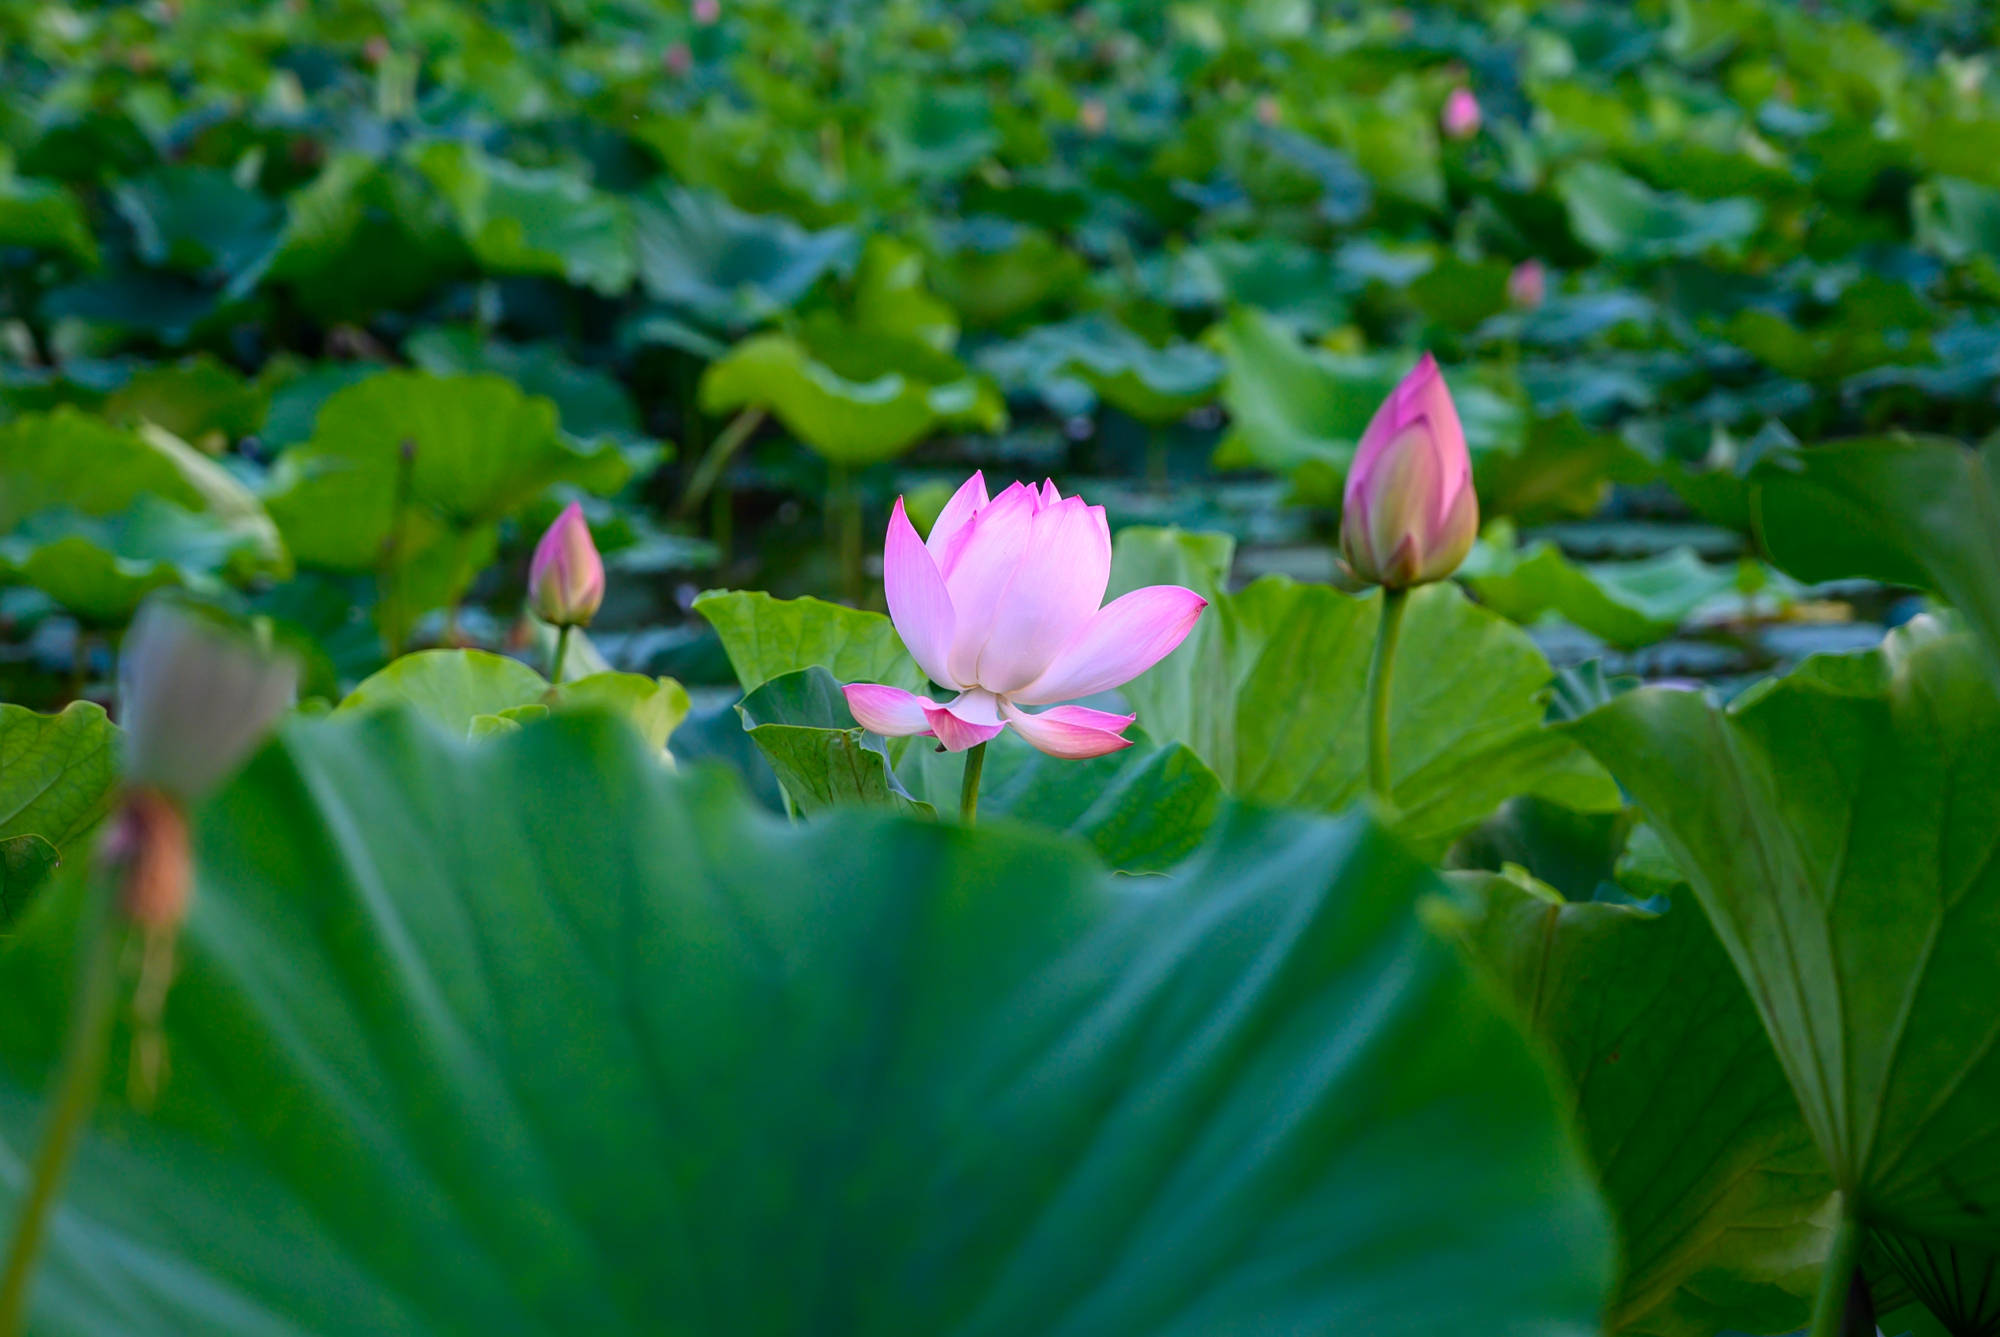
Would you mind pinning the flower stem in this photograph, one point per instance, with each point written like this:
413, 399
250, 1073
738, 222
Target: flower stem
716, 459
562, 650
968, 792
1835, 1282
1379, 670
74, 1096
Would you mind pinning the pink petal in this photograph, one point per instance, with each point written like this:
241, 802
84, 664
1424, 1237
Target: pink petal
918, 603
1074, 732
970, 719
1050, 493
951, 528
1125, 638
889, 711
978, 579
1054, 593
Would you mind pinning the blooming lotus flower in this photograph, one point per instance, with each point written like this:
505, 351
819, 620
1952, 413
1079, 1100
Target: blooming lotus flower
1528, 285
1409, 514
1001, 604
1461, 117
566, 577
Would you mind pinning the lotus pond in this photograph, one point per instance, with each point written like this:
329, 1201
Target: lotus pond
1000, 667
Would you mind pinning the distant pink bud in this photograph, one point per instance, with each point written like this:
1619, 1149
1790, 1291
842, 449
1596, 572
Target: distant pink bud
1409, 513
566, 578
677, 59
707, 11
1528, 285
1461, 118
1268, 110
1092, 117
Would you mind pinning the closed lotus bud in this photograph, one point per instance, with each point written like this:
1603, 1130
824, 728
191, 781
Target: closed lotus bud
677, 59
1528, 285
1461, 118
1409, 513
707, 11
566, 578
195, 696
149, 843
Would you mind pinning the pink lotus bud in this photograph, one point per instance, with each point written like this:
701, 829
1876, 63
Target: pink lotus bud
1092, 116
195, 696
1409, 514
1461, 116
677, 60
1528, 285
706, 11
1001, 604
566, 578
1268, 110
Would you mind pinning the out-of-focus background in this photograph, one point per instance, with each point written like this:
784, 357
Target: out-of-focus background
323, 309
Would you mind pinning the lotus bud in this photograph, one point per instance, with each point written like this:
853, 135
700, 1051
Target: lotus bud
1269, 112
1528, 285
196, 696
566, 578
1092, 116
1461, 117
677, 60
707, 12
1409, 513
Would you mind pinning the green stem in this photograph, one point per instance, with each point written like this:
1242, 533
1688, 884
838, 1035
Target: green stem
1379, 671
968, 792
1830, 1308
716, 458
556, 660
74, 1096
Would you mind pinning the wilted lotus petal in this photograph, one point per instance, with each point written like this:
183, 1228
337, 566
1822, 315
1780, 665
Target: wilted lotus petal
1409, 513
566, 577
1002, 605
195, 696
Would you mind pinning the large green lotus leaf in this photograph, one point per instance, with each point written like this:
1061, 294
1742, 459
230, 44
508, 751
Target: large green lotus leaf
41, 215
1840, 828
201, 397
464, 691
1917, 511
1624, 218
1957, 219
1626, 603
56, 771
69, 458
1154, 385
532, 220
858, 408
1722, 1202
726, 267
481, 450
639, 1057
937, 132
1563, 471
100, 568
801, 723
766, 638
197, 220
1270, 689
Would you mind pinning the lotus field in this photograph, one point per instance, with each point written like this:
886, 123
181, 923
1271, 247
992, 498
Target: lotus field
1000, 668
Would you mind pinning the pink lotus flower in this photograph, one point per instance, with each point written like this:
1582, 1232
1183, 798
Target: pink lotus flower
1409, 514
1461, 116
1528, 285
1000, 604
707, 11
566, 578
